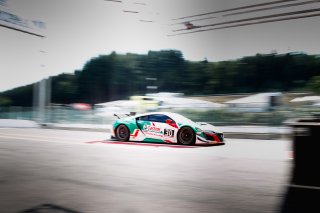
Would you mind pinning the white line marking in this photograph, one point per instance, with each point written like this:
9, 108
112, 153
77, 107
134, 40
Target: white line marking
65, 141
33, 136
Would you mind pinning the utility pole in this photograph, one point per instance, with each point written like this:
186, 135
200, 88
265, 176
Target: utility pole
41, 98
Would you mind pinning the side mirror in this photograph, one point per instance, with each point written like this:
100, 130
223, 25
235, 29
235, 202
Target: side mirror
169, 121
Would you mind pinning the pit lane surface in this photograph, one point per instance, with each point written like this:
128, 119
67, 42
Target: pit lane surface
71, 171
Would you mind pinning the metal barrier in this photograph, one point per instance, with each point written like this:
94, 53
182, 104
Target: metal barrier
304, 189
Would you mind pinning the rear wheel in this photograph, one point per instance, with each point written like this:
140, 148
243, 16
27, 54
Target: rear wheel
186, 136
123, 133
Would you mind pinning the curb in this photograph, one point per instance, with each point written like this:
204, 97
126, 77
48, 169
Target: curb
74, 128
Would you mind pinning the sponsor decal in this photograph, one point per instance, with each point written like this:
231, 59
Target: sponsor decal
152, 128
169, 133
135, 133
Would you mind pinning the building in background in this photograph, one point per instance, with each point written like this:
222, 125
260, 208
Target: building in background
155, 102
260, 102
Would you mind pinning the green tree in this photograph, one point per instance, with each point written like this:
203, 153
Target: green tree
314, 84
65, 89
4, 101
118, 76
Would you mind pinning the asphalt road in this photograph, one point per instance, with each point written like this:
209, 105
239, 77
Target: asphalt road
43, 170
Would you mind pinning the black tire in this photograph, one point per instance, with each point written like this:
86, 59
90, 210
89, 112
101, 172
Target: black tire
186, 136
122, 133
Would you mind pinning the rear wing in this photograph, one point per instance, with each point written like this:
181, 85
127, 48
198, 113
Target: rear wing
119, 116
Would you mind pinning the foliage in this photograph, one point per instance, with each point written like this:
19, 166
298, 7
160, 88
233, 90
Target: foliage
21, 96
4, 101
117, 76
314, 84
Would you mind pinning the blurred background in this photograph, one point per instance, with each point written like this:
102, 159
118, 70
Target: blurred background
264, 89
249, 66
208, 60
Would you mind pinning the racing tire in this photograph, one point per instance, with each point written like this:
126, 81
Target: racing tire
122, 133
186, 136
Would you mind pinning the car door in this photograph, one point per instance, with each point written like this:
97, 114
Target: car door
150, 127
154, 126
170, 130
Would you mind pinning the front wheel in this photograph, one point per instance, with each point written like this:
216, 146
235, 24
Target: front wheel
123, 133
186, 136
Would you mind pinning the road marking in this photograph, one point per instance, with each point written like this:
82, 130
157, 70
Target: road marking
35, 138
141, 144
50, 140
41, 137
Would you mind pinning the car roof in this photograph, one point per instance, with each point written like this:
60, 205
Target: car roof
172, 115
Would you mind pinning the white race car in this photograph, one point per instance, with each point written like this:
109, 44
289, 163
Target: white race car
165, 127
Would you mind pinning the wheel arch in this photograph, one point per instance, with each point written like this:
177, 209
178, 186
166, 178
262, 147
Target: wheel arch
130, 125
193, 128
188, 126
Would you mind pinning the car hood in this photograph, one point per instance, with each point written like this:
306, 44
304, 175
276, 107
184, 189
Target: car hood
208, 127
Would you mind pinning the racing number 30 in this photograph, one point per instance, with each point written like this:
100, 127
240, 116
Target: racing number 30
168, 133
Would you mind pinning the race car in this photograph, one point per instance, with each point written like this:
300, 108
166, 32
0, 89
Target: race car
165, 127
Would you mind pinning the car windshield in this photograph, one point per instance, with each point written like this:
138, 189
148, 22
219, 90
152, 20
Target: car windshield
180, 118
